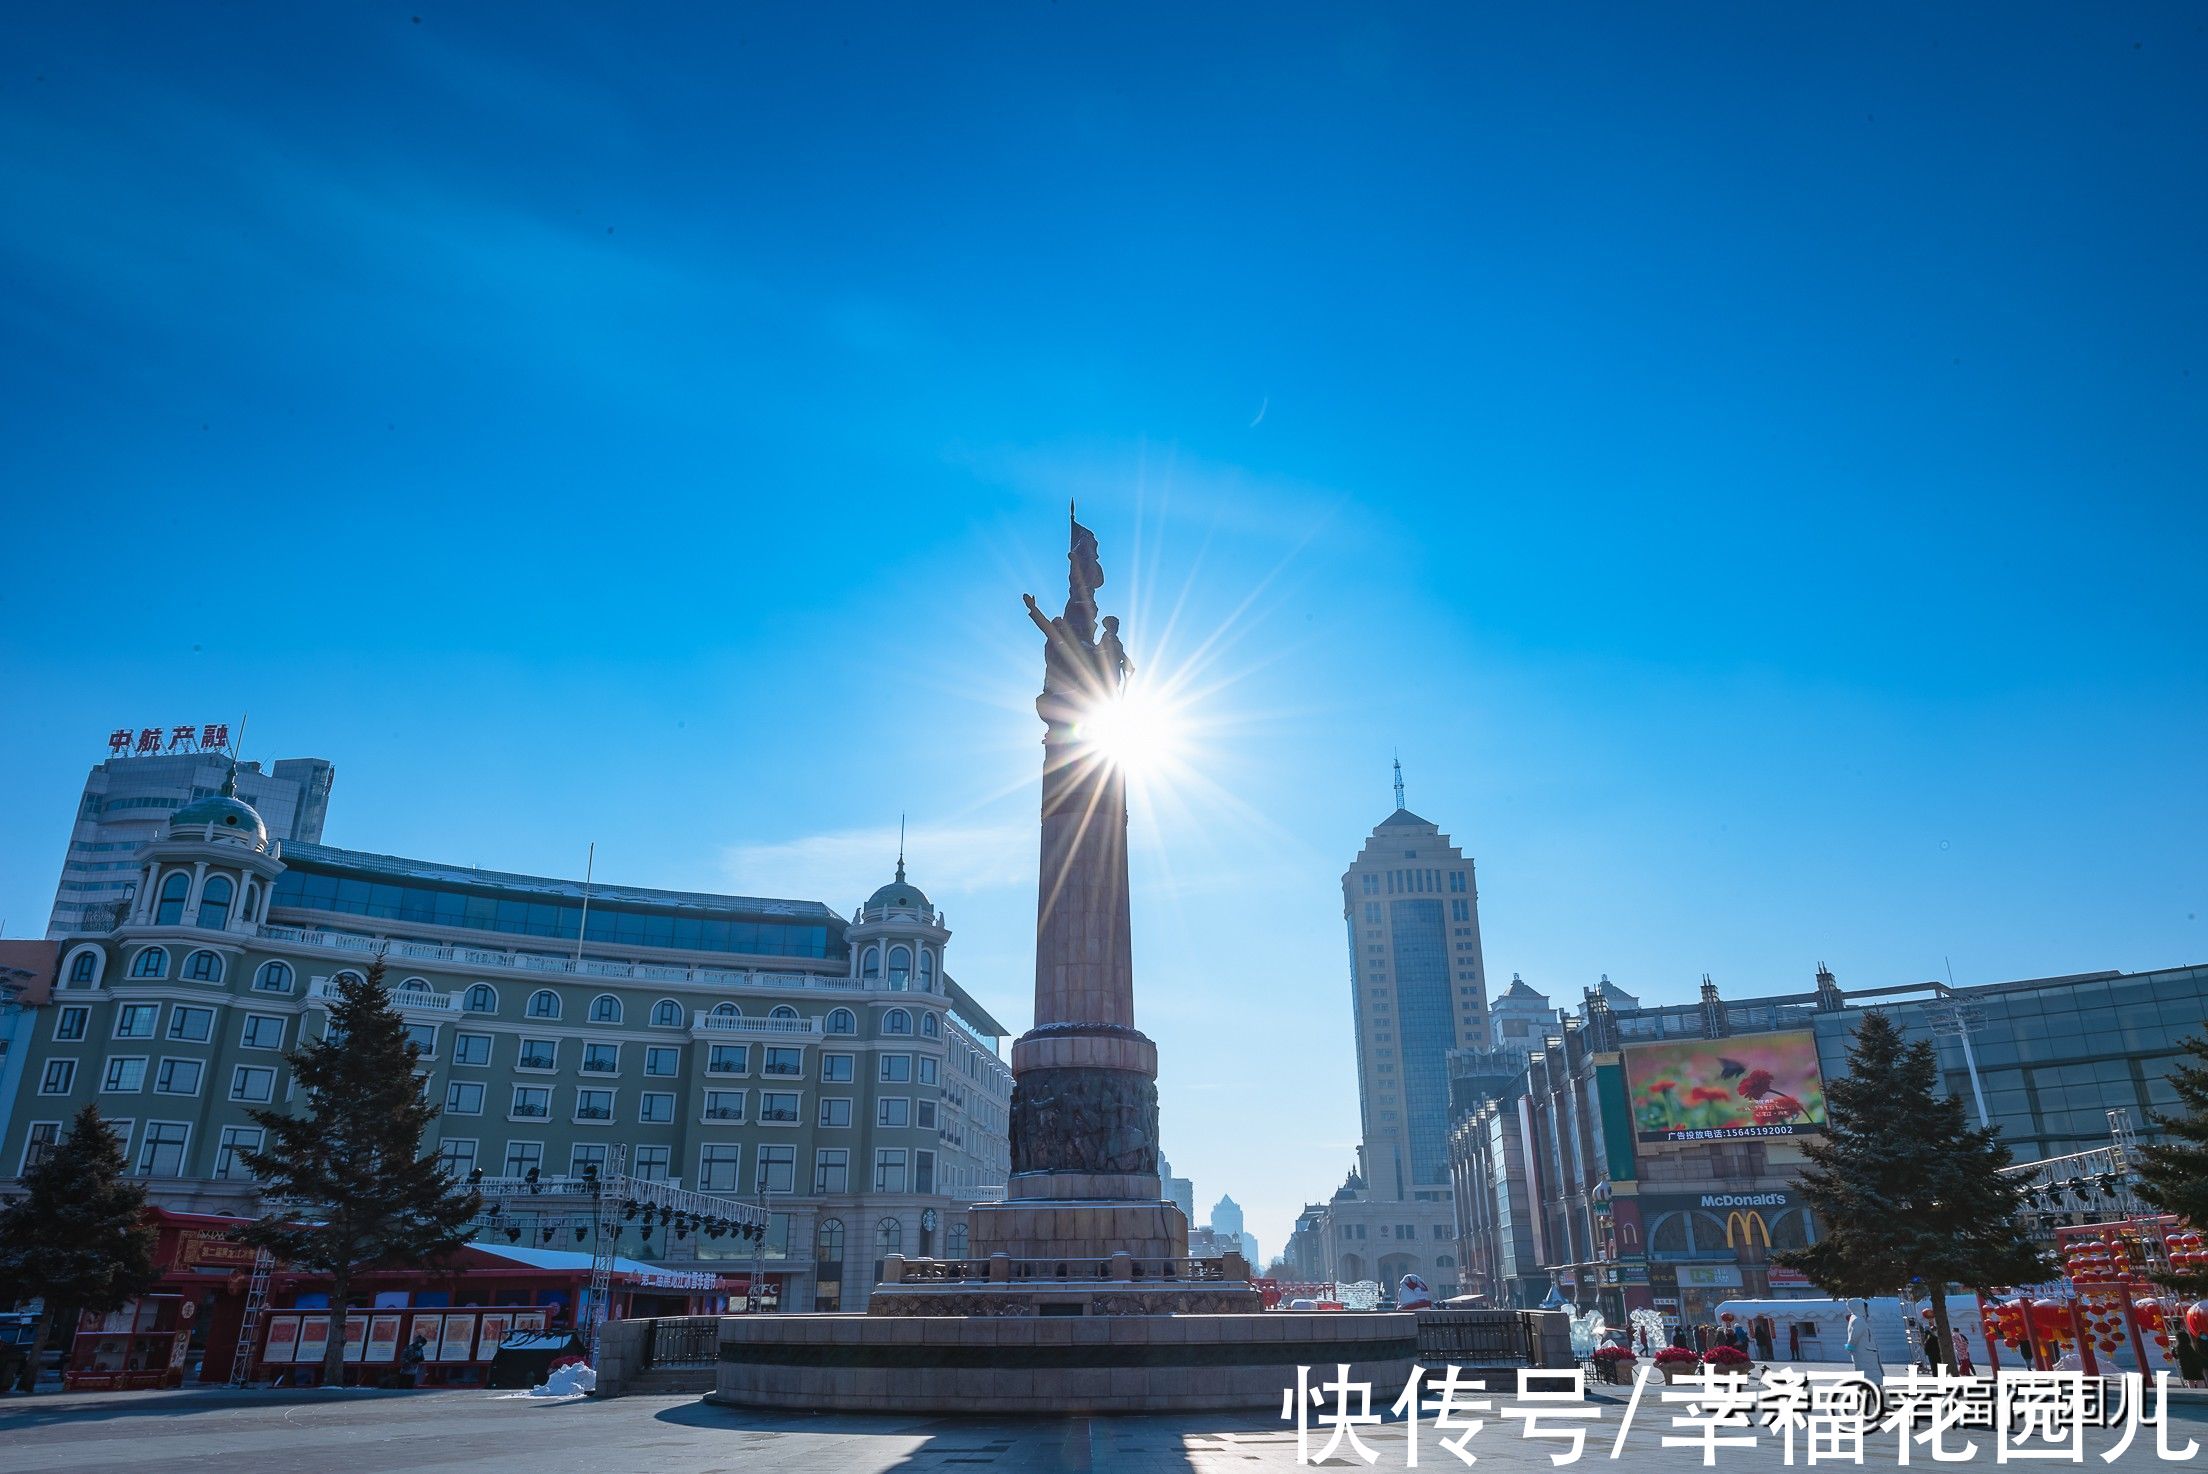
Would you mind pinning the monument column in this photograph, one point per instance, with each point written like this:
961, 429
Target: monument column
1084, 1094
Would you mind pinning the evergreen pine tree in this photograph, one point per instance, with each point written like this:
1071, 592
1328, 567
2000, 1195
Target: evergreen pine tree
347, 1171
2174, 1173
1906, 1189
78, 1235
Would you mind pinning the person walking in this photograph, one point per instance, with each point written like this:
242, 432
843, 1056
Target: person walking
1931, 1349
1860, 1350
411, 1361
1765, 1338
1963, 1366
2190, 1362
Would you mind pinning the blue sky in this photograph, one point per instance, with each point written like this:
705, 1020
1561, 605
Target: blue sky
1749, 461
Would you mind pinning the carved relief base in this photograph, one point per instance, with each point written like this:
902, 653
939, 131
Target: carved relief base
1084, 1120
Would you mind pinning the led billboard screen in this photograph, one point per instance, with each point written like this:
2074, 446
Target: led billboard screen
1746, 1086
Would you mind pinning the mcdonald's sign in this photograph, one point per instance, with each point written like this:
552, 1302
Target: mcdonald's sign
1744, 1227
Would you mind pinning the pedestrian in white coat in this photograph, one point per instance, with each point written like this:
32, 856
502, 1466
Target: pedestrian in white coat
1861, 1350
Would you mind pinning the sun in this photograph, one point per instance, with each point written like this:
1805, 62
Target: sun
1135, 729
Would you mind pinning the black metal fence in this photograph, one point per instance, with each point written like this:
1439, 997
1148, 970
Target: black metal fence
1478, 1337
682, 1341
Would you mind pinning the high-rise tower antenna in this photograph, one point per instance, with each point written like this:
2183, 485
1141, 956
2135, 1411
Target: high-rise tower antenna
1399, 781
900, 847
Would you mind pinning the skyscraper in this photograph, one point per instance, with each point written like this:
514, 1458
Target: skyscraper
1418, 987
1226, 1222
127, 800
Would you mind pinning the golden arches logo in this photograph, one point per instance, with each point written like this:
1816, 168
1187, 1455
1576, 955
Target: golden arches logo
1749, 1223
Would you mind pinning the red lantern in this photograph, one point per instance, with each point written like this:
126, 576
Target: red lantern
2196, 1319
2050, 1317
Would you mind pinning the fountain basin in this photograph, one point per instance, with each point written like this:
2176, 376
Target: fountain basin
1049, 1363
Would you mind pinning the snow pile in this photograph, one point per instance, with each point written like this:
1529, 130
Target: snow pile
572, 1380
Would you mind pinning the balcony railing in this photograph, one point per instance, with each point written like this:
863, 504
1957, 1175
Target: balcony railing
727, 1023
593, 1113
531, 1112
779, 1117
407, 1000
724, 1113
538, 1062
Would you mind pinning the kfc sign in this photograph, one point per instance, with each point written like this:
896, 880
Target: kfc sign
154, 741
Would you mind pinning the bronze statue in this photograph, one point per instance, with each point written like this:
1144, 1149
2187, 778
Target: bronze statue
1079, 667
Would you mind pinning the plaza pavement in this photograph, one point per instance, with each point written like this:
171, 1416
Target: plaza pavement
474, 1432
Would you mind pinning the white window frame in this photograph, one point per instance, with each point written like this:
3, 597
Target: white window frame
530, 1010
762, 1166
828, 1063
585, 1067
743, 1056
245, 1030
469, 992
182, 1011
68, 1080
32, 1142
824, 1158
767, 1053
238, 1074
644, 1101
230, 1142
706, 1108
459, 1038
481, 1089
734, 1163
129, 1010
663, 1157
613, 1106
672, 1052
882, 1104
661, 1007
82, 1014
885, 1076
260, 976
520, 1168
199, 1081
447, 1157
523, 1054
882, 1164
429, 1051
590, 1014
827, 1103
796, 1107
183, 1150
514, 1111
107, 1074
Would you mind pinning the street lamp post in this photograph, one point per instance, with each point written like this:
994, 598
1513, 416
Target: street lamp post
1954, 1020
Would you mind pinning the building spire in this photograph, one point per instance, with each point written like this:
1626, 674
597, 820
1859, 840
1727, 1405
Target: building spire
1399, 780
900, 847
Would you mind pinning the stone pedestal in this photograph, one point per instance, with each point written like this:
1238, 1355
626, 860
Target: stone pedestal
1077, 1231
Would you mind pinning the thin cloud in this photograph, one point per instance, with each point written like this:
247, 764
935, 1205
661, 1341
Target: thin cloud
851, 863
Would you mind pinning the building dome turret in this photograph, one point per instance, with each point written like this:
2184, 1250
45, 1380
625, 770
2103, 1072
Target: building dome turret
899, 895
222, 815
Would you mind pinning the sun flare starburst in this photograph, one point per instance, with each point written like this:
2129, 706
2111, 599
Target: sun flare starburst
1138, 729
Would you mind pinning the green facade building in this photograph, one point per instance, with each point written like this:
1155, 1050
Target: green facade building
735, 1045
